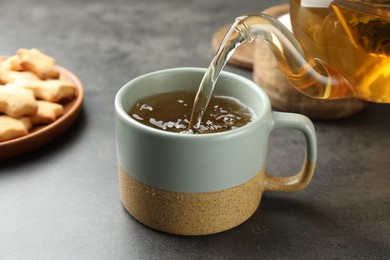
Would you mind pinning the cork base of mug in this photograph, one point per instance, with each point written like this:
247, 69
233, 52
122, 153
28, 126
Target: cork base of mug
190, 213
281, 91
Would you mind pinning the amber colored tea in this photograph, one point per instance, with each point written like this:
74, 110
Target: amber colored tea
171, 111
352, 39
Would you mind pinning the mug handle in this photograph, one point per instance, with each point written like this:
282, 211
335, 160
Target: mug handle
300, 180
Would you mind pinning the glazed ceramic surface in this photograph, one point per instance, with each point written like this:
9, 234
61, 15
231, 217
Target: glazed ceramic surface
153, 161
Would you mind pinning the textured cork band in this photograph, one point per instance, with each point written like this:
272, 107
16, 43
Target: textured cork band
190, 213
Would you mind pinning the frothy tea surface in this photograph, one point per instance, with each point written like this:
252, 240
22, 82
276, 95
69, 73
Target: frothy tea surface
171, 111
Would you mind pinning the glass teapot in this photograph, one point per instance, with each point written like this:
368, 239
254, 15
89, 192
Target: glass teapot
340, 48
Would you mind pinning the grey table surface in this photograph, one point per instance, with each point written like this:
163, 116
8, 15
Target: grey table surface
62, 200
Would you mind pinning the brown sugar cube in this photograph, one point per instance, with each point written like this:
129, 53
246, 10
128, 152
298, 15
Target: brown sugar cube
35, 61
47, 112
16, 101
11, 128
49, 90
9, 76
12, 63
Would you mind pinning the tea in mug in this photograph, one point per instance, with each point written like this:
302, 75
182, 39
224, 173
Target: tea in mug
171, 111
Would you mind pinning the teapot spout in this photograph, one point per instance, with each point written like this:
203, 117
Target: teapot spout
311, 76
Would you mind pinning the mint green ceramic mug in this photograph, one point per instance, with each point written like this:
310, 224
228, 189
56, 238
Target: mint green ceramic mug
205, 183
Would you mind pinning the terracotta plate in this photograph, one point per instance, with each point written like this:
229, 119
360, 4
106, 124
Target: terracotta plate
41, 135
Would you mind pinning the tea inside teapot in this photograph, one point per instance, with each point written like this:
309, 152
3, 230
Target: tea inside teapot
353, 37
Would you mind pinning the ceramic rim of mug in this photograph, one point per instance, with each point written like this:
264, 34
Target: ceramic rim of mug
122, 112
